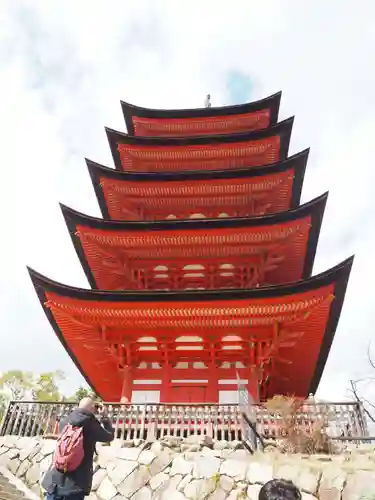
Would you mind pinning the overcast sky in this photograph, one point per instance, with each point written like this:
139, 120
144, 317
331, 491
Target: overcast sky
64, 66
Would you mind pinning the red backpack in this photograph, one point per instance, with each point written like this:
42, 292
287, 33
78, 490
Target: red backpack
69, 451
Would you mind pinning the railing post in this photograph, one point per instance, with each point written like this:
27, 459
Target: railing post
5, 419
362, 419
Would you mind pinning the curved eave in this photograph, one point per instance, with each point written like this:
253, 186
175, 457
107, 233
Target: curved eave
282, 129
272, 103
315, 209
337, 276
296, 162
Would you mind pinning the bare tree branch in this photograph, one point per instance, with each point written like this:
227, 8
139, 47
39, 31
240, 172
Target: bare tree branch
353, 384
368, 402
372, 363
364, 379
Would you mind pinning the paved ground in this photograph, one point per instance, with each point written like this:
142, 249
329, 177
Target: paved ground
8, 491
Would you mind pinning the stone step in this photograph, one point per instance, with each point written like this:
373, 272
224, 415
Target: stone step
8, 491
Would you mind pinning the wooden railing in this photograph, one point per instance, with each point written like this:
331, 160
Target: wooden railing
154, 421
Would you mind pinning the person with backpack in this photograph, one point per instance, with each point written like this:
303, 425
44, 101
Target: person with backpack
70, 476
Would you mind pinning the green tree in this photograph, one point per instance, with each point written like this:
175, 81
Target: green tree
3, 405
17, 383
83, 392
46, 387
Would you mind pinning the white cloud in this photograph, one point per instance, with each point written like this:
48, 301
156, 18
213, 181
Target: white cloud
65, 66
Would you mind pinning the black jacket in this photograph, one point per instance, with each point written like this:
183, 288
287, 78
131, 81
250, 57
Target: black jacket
80, 480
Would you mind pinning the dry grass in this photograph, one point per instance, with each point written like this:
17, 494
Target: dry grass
294, 436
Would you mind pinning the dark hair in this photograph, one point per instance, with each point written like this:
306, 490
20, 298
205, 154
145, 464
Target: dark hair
279, 489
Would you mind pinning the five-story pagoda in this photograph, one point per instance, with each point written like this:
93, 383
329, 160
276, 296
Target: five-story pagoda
200, 270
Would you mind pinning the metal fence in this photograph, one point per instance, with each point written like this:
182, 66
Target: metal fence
154, 421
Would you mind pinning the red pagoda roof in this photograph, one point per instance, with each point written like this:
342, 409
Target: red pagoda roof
205, 121
219, 152
285, 331
208, 253
236, 193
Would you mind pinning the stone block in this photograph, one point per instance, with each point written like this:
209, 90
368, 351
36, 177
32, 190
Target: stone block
210, 452
173, 495
37, 458
3, 450
4, 460
171, 441
190, 447
259, 472
169, 488
106, 490
206, 467
33, 474
48, 447
158, 480
26, 442
23, 468
308, 479
161, 462
360, 486
192, 456
93, 496
97, 479
13, 453
134, 481
186, 480
332, 483
181, 466
37, 490
218, 494
308, 496
235, 445
106, 454
116, 443
240, 455
234, 468
329, 494
146, 457
34, 452
199, 489
143, 494
11, 441
361, 462
28, 450
128, 453
13, 465
253, 491
45, 464
226, 483
220, 445
288, 471
200, 440
236, 494
121, 471
157, 447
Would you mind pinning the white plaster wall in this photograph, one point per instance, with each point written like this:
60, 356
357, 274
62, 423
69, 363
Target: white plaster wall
139, 397
228, 397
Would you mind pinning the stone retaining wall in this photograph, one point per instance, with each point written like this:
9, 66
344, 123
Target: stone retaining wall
198, 469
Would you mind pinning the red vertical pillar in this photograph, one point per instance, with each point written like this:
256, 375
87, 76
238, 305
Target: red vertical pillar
165, 383
212, 395
253, 385
127, 384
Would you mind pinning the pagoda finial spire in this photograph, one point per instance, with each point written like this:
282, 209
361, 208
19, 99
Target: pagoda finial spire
207, 103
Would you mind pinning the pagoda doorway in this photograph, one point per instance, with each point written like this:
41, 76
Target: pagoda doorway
187, 393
